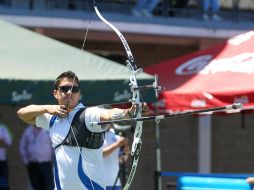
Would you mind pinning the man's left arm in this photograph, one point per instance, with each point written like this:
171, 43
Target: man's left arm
95, 114
116, 113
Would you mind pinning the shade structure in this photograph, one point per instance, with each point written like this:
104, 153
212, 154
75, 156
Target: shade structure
213, 77
30, 62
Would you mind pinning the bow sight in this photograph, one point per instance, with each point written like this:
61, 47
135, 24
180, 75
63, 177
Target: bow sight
134, 87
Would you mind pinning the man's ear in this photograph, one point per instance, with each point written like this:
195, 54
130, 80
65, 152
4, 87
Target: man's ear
55, 94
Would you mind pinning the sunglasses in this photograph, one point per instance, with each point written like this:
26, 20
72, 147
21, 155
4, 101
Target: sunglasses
66, 89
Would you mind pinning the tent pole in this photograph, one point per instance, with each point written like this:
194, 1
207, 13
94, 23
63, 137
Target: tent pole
158, 152
204, 144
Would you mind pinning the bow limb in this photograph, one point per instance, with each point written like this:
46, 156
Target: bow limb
136, 145
122, 38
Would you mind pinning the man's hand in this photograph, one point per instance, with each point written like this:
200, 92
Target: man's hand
58, 110
29, 113
144, 107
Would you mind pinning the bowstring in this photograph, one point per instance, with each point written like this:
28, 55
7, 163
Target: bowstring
68, 102
75, 138
86, 31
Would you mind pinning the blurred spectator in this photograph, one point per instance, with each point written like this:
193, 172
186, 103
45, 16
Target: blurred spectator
178, 4
37, 154
5, 141
144, 8
215, 6
115, 149
250, 180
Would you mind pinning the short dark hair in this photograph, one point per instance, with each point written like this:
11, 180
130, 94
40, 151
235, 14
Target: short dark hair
67, 74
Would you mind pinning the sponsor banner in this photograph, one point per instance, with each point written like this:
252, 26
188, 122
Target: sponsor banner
213, 77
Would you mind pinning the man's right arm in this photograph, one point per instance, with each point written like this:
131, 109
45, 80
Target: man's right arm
29, 113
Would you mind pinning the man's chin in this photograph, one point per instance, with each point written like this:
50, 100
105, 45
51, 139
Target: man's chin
71, 105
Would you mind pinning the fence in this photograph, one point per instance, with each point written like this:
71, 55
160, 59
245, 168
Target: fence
230, 9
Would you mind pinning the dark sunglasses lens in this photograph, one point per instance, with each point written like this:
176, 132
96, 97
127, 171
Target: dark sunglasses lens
66, 89
75, 89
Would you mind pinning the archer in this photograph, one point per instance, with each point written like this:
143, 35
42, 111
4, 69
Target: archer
77, 144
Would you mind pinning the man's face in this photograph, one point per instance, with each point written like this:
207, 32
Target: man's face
64, 95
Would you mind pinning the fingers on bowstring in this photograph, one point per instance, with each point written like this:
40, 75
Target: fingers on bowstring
62, 111
63, 106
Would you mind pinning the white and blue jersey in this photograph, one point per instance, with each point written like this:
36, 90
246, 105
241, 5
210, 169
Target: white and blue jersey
75, 168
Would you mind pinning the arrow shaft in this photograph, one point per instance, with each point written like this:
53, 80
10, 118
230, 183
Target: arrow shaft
163, 116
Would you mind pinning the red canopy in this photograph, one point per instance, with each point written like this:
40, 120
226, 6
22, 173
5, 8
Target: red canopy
218, 76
